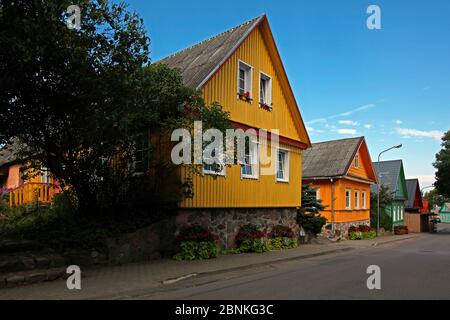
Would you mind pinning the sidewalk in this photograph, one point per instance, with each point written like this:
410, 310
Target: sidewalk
108, 282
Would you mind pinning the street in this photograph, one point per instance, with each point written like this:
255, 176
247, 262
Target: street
412, 269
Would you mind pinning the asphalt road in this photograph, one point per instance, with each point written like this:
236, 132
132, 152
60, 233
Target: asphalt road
410, 269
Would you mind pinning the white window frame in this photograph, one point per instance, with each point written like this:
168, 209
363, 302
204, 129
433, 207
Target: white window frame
287, 165
248, 81
254, 155
213, 172
268, 92
363, 199
45, 175
357, 199
348, 198
357, 161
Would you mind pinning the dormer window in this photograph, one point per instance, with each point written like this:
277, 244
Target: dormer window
244, 81
265, 91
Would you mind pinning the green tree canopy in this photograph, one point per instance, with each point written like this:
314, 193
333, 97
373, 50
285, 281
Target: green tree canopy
84, 102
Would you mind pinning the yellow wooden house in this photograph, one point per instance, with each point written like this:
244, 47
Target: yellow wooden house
243, 71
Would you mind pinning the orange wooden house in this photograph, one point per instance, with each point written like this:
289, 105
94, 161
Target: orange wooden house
342, 173
39, 187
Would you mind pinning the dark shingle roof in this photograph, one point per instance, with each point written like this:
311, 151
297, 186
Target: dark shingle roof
411, 185
196, 63
329, 158
8, 153
388, 173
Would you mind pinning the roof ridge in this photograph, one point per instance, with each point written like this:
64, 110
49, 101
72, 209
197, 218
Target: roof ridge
210, 38
353, 138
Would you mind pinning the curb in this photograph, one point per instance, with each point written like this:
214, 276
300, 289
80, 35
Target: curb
377, 244
264, 263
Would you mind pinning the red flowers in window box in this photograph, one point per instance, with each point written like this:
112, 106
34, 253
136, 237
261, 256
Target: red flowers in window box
265, 106
246, 96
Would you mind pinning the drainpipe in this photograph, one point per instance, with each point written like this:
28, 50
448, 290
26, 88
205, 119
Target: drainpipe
333, 228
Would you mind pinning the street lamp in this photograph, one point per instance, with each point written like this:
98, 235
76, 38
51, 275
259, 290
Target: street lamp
378, 185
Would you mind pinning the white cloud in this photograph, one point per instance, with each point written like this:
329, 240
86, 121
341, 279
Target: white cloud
368, 126
343, 114
424, 181
346, 131
434, 134
349, 122
398, 121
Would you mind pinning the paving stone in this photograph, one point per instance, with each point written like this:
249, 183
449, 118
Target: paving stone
36, 277
14, 280
55, 273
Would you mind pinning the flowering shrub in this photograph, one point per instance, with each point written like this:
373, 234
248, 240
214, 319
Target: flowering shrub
361, 232
281, 231
196, 233
196, 243
401, 230
250, 239
282, 237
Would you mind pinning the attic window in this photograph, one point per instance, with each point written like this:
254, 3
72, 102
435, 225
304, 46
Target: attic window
244, 81
265, 91
356, 161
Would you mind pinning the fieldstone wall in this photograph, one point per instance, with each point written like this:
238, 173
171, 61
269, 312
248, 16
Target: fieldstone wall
342, 227
226, 222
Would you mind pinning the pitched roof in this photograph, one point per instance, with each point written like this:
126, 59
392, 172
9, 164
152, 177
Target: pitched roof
330, 158
196, 63
411, 185
9, 152
388, 173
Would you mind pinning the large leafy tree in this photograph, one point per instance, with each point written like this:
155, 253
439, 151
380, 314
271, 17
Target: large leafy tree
442, 166
84, 102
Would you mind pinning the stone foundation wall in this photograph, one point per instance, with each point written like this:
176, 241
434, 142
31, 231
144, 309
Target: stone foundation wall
226, 222
342, 227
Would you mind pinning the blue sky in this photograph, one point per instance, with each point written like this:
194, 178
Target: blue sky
390, 85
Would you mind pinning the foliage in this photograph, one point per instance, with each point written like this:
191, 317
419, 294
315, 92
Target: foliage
196, 233
60, 227
250, 239
435, 198
197, 250
442, 165
361, 232
258, 245
385, 200
284, 242
281, 231
87, 105
308, 216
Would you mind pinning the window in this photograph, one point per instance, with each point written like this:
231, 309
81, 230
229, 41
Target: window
283, 165
347, 199
356, 199
216, 168
141, 154
45, 175
249, 166
363, 199
265, 89
356, 161
244, 79
318, 194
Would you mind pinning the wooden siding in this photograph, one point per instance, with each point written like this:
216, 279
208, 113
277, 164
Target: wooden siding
223, 88
232, 191
342, 214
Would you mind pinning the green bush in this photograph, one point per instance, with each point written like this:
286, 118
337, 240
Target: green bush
284, 242
358, 235
60, 227
253, 245
197, 250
